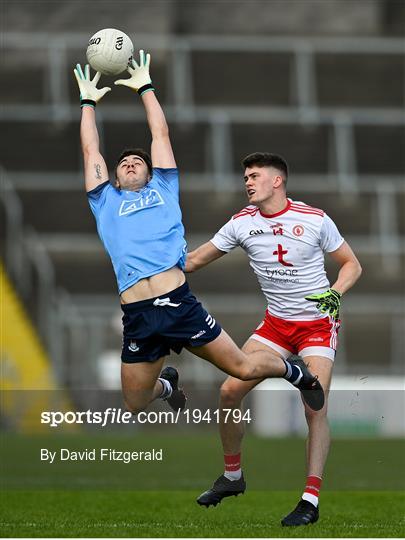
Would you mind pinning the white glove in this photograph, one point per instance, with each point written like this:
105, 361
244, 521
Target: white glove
89, 93
140, 80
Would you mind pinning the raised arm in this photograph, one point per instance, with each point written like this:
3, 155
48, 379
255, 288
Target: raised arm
202, 256
95, 169
161, 148
140, 81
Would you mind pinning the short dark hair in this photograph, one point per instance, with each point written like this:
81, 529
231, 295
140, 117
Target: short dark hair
135, 152
265, 159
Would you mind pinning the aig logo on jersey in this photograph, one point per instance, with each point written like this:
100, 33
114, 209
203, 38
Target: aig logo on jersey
143, 200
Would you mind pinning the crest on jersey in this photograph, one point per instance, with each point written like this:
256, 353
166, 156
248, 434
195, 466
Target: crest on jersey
151, 198
133, 347
298, 230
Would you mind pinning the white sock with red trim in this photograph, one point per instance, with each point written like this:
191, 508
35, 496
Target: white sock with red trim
232, 466
312, 488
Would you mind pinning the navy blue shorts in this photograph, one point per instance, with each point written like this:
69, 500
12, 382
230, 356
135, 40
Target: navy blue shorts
171, 321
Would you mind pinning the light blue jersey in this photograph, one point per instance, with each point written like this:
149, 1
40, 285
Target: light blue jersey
142, 231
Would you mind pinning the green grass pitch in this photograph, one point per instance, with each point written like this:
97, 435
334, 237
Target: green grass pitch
175, 514
363, 493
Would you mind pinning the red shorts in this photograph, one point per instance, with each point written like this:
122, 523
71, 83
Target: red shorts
307, 338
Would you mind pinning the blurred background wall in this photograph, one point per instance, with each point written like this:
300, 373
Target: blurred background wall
320, 82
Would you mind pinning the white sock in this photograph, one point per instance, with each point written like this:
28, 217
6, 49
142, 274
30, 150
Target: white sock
233, 475
313, 499
167, 389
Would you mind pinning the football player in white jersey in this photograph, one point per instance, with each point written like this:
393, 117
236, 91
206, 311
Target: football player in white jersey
285, 241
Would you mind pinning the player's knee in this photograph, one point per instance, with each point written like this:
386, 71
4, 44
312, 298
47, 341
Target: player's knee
137, 403
134, 407
246, 372
229, 395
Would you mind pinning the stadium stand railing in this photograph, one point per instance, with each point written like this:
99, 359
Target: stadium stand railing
346, 151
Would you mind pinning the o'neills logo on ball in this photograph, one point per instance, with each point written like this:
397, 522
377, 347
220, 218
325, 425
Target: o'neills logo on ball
95, 41
298, 230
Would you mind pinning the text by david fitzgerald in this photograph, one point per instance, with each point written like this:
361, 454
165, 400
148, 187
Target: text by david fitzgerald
101, 454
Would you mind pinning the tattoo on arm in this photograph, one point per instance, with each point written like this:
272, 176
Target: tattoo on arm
97, 166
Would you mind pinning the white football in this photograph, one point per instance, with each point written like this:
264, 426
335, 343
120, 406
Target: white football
109, 51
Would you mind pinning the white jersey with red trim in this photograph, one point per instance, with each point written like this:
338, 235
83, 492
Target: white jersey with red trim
286, 251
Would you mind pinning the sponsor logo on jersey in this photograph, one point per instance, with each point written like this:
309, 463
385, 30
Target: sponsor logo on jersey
281, 272
144, 200
285, 276
280, 252
256, 231
298, 230
315, 339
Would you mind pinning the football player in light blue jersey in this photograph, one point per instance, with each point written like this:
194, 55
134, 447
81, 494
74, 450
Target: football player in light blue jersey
139, 222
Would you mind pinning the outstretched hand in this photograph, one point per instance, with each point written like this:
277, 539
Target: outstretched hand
140, 80
87, 86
